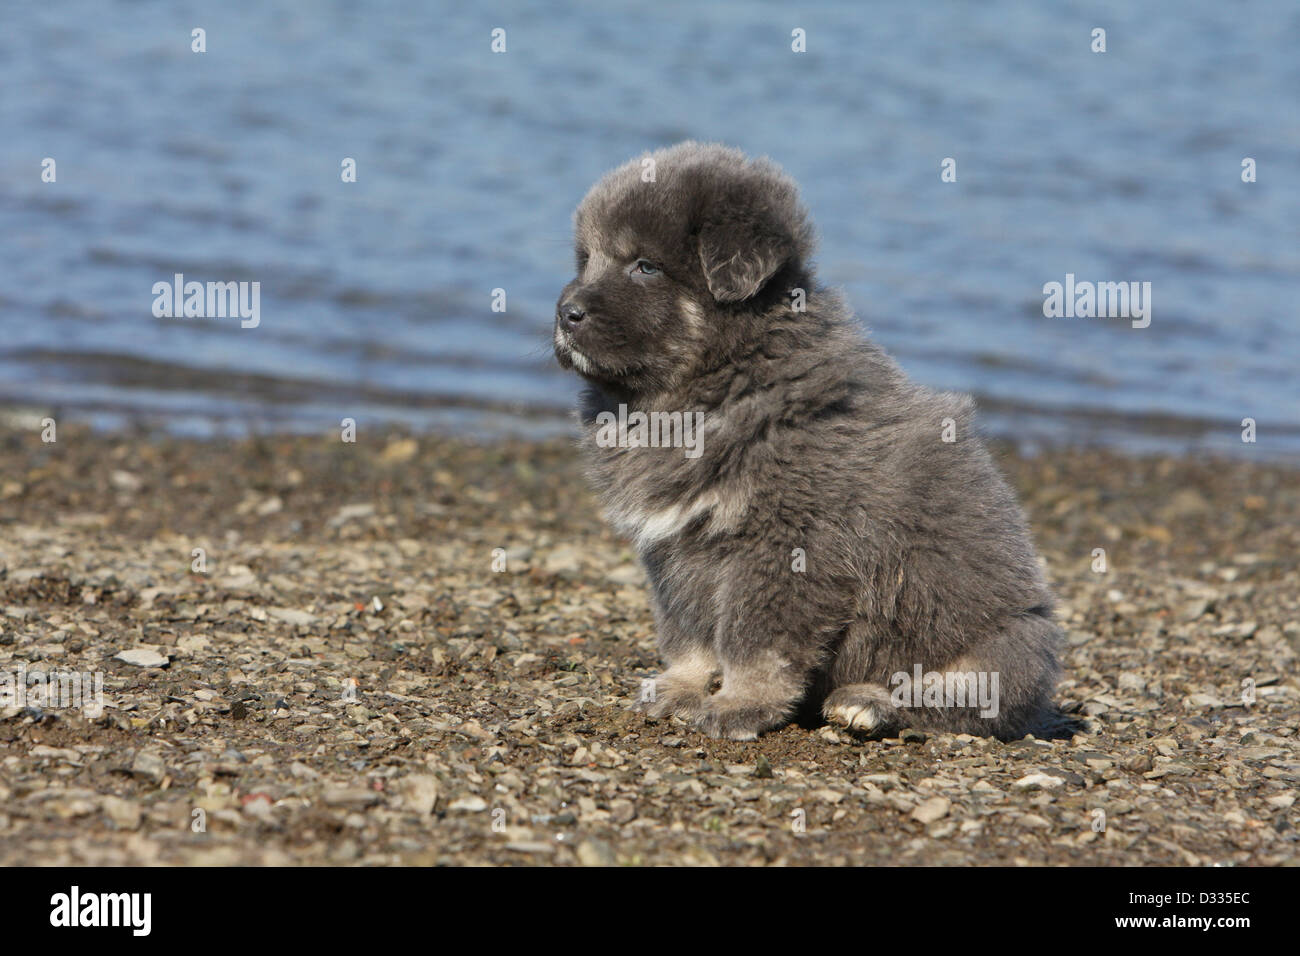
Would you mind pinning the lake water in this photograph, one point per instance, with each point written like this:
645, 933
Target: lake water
375, 296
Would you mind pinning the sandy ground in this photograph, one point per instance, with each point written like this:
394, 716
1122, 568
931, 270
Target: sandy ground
350, 680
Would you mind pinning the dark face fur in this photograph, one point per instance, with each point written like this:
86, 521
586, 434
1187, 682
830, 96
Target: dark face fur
674, 272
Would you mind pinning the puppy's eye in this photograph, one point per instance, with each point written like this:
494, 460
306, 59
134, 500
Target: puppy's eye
646, 268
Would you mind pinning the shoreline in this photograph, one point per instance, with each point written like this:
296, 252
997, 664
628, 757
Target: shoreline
350, 680
1020, 428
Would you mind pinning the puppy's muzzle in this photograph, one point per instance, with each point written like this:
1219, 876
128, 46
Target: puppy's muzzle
570, 315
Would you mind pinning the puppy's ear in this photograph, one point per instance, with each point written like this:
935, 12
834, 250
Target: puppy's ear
739, 253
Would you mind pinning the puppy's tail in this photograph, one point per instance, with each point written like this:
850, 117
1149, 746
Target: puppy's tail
1059, 723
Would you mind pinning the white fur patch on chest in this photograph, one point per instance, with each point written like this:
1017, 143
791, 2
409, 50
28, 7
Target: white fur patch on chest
648, 527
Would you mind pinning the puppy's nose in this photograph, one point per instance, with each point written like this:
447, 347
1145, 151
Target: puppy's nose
572, 313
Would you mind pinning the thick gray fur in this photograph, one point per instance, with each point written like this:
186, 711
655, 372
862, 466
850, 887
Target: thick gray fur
914, 549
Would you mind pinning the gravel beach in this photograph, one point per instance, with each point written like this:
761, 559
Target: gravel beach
415, 650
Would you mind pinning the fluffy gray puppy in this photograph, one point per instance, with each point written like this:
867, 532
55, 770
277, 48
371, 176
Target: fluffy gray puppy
831, 535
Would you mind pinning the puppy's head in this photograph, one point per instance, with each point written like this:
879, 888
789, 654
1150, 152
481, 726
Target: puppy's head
680, 254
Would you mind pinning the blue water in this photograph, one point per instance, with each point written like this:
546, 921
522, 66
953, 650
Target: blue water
376, 295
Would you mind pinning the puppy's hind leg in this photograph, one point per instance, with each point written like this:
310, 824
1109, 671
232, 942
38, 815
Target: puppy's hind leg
865, 708
1002, 685
1009, 679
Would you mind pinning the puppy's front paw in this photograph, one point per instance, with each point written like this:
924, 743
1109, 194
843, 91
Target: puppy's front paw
680, 691
668, 696
730, 718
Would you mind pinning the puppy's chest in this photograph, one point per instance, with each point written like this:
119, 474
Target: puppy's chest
656, 500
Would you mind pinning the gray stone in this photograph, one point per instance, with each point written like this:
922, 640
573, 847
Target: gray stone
143, 657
